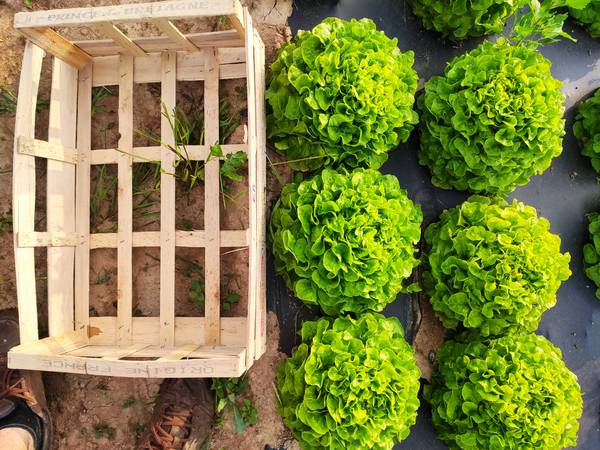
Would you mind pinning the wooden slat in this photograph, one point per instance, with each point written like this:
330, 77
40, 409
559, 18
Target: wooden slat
261, 197
226, 40
222, 366
167, 27
179, 353
82, 200
190, 67
254, 262
167, 201
153, 154
191, 239
53, 239
188, 330
125, 202
154, 351
175, 9
60, 195
54, 150
56, 45
55, 345
212, 225
53, 363
24, 191
123, 352
127, 45
237, 20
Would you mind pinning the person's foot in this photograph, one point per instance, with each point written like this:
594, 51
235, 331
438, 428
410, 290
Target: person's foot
183, 413
22, 400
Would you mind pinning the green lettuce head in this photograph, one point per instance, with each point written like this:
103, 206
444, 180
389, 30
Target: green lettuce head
340, 93
493, 120
492, 266
351, 384
591, 251
587, 128
589, 17
461, 19
514, 392
345, 241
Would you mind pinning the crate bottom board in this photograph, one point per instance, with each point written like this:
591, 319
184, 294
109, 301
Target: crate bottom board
148, 362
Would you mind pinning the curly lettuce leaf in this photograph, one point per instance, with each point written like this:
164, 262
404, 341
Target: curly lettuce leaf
493, 120
351, 384
514, 392
345, 241
587, 128
462, 19
589, 16
591, 251
493, 267
342, 93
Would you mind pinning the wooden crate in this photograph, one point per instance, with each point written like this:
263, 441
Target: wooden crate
164, 346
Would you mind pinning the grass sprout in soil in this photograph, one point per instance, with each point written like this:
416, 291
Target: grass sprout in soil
227, 397
230, 288
8, 102
188, 128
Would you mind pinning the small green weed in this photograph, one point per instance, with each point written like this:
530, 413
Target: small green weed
146, 192
8, 101
190, 267
196, 292
186, 225
99, 94
105, 276
228, 298
6, 222
138, 431
226, 392
225, 23
103, 203
104, 430
129, 401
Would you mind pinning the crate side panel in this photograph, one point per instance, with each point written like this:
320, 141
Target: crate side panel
261, 199
188, 330
252, 144
212, 224
60, 198
167, 208
82, 199
125, 201
24, 191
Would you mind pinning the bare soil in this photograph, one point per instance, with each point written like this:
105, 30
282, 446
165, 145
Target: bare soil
429, 336
94, 412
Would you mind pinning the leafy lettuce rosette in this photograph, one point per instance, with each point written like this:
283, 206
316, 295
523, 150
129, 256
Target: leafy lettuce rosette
340, 93
461, 19
587, 128
514, 392
591, 251
493, 120
345, 241
589, 16
350, 384
492, 266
